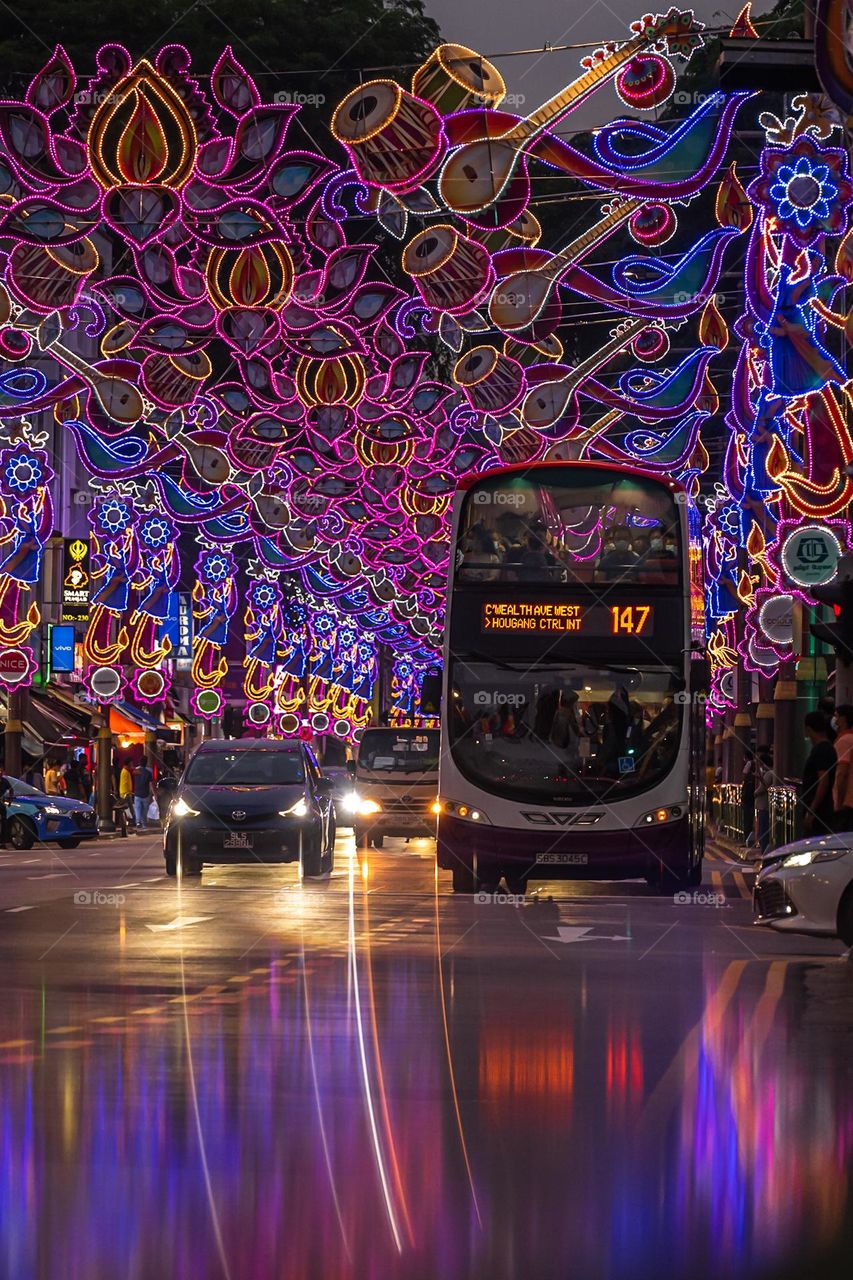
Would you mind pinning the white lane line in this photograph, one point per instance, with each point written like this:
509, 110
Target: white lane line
51, 875
25, 862
133, 884
11, 911
179, 922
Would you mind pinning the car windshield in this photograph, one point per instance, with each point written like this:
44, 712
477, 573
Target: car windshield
245, 769
399, 750
567, 732
21, 788
568, 526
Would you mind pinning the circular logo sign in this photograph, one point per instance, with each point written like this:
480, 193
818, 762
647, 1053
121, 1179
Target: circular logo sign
259, 713
810, 556
150, 684
776, 619
14, 666
105, 683
208, 701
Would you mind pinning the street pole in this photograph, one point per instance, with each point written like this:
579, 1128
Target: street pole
105, 774
12, 759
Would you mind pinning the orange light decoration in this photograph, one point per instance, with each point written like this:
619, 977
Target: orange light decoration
259, 276
340, 380
732, 207
743, 28
142, 133
713, 330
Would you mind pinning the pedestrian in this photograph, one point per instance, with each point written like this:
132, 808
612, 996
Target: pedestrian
143, 794
7, 794
842, 789
764, 780
86, 783
125, 787
747, 796
73, 784
51, 778
818, 776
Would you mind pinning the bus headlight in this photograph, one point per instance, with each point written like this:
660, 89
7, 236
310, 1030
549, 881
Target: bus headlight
663, 814
468, 813
180, 809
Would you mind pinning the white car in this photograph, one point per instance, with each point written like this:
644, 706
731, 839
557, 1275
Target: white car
807, 887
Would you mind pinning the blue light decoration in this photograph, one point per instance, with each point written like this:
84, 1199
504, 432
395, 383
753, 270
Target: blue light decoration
789, 443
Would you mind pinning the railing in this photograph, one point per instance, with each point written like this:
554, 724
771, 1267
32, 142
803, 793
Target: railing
731, 811
783, 814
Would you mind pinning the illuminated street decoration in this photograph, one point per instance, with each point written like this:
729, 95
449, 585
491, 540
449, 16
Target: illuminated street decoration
26, 522
182, 291
778, 525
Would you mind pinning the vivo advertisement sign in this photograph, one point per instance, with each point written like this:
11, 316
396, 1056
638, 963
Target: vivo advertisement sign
62, 648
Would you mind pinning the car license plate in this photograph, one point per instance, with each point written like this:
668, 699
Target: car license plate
564, 859
238, 840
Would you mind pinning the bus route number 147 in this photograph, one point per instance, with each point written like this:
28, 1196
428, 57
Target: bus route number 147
629, 619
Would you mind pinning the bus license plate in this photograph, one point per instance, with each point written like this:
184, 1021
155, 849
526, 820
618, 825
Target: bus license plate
564, 859
238, 840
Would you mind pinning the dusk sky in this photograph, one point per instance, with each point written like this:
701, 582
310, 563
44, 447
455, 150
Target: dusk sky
497, 28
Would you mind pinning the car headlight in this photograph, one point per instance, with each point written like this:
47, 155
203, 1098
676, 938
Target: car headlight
180, 809
51, 809
368, 807
351, 802
809, 856
298, 810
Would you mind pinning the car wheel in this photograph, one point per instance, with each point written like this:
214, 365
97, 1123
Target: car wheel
516, 884
377, 841
312, 856
329, 860
71, 843
171, 865
845, 917
21, 834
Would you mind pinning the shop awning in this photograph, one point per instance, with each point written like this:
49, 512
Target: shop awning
47, 724
133, 722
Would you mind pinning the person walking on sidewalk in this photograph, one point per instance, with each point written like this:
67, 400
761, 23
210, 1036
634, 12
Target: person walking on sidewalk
818, 776
143, 794
7, 794
842, 790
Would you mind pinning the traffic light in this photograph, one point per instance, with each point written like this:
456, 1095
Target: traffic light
838, 634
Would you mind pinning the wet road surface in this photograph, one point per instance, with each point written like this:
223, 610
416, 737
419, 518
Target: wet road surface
258, 1079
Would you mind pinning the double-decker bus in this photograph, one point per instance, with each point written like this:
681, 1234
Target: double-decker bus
573, 697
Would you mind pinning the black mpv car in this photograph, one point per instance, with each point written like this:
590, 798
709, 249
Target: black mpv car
251, 800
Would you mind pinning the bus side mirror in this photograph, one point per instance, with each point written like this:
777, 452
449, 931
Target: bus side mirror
700, 674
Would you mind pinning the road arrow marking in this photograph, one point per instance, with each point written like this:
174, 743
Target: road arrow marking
572, 933
179, 922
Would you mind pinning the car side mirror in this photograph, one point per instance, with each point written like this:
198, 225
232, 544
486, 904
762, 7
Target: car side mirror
351, 768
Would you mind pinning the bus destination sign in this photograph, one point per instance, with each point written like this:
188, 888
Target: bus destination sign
563, 617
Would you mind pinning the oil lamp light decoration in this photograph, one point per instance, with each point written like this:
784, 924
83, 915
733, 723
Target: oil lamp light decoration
260, 407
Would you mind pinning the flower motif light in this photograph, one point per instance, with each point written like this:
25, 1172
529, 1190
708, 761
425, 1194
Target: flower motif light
22, 471
806, 187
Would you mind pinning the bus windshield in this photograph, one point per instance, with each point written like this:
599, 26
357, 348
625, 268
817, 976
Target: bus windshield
554, 525
570, 732
399, 750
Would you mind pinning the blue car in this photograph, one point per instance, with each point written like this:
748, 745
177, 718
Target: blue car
34, 815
